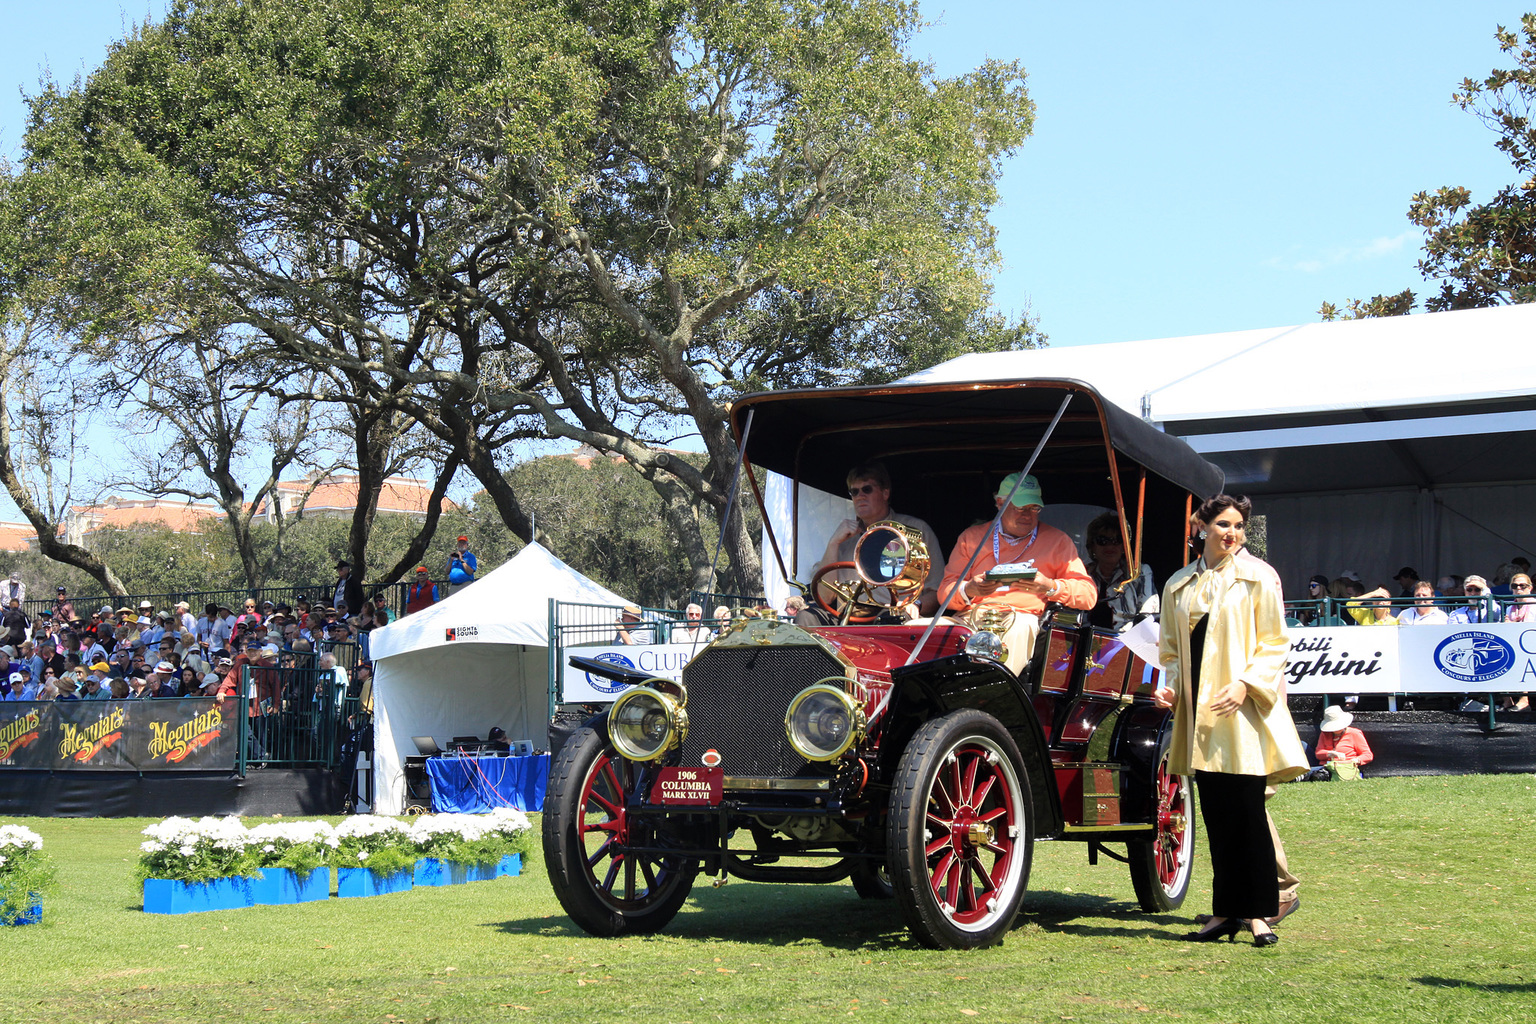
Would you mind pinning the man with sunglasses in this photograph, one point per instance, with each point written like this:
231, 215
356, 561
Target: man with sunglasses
1480, 608
869, 487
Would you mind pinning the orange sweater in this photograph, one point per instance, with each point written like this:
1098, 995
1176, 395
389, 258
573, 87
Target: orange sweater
1350, 746
1054, 554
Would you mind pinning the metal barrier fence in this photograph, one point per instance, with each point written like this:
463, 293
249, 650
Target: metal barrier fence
574, 625
1333, 611
295, 716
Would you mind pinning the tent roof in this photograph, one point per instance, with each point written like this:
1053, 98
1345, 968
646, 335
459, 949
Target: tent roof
507, 606
1423, 401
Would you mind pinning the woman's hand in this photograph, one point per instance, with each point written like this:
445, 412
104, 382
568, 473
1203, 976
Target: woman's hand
1229, 698
1163, 696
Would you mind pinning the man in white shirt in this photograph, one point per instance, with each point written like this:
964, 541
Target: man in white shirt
1423, 611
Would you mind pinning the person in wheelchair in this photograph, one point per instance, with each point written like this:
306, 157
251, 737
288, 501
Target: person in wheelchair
869, 487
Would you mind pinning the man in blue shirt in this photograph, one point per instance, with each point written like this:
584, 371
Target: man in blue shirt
462, 566
21, 688
1479, 607
94, 690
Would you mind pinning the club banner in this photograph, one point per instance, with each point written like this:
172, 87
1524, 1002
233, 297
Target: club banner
663, 660
192, 733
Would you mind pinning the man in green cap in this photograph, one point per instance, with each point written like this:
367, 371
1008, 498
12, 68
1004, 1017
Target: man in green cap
1013, 608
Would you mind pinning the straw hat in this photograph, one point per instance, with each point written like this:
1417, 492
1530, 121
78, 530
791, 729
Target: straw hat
1335, 718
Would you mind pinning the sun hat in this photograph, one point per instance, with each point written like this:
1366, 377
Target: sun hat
164, 667
1027, 494
1335, 718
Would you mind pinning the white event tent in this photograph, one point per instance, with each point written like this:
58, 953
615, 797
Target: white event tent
478, 658
1368, 444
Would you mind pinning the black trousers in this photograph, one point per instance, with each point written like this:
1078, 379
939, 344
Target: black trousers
1243, 882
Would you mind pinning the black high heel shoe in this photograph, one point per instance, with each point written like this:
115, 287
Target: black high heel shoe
1228, 930
1267, 939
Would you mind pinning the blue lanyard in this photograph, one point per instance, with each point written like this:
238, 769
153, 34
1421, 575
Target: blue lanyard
997, 535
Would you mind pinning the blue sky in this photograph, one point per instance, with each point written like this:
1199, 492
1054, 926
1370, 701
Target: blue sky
1195, 168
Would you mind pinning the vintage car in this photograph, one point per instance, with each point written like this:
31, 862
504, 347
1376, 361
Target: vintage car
906, 758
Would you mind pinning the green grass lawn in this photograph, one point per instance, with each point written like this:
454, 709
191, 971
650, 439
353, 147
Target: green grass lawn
1417, 906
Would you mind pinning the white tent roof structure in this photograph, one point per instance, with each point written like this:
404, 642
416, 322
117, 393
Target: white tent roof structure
507, 606
1375, 444
474, 660
1464, 356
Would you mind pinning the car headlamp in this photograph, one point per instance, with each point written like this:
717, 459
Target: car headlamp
985, 645
823, 722
645, 723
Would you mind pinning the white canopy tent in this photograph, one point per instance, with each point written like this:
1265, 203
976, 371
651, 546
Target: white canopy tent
477, 659
1371, 444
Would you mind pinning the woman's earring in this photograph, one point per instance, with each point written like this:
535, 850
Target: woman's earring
1202, 535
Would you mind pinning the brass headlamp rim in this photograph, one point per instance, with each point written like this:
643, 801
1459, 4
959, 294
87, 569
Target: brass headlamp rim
676, 719
907, 587
857, 721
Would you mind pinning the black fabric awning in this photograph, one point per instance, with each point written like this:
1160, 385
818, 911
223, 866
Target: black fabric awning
958, 431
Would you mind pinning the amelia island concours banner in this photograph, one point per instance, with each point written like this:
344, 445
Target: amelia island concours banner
663, 660
119, 735
1487, 658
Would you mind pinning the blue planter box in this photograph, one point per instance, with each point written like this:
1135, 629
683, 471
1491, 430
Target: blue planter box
33, 915
351, 882
431, 871
510, 866
163, 896
278, 886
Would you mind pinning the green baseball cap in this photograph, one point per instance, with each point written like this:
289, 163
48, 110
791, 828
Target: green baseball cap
1027, 494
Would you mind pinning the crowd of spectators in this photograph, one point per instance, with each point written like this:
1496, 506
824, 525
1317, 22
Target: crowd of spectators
1412, 601
145, 652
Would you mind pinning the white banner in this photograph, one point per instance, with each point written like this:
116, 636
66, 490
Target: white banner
1495, 658
1344, 659
664, 660
1486, 658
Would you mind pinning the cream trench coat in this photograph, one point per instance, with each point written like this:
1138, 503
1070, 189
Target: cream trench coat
1244, 640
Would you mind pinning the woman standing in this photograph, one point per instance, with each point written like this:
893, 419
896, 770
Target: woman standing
1223, 650
1119, 600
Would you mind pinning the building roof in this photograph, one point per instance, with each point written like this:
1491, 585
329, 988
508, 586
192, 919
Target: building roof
401, 495
123, 513
16, 536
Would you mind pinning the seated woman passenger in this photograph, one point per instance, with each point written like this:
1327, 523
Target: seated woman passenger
869, 487
1107, 566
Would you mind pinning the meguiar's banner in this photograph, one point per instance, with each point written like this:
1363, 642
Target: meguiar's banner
120, 735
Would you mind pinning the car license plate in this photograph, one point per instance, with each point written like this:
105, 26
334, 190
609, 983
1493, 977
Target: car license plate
689, 787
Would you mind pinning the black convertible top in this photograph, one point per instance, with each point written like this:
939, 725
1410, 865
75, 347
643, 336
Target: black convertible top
932, 431
948, 446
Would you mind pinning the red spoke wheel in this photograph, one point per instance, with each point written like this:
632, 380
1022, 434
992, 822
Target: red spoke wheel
962, 831
588, 837
1161, 868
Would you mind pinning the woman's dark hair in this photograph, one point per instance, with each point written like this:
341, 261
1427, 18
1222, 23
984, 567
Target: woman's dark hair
1107, 522
1214, 507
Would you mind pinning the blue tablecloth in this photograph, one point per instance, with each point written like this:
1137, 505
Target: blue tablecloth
474, 785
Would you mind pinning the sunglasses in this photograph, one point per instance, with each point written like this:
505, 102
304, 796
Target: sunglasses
1474, 590
854, 492
1106, 540
1519, 586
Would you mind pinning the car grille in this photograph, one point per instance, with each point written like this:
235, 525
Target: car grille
737, 697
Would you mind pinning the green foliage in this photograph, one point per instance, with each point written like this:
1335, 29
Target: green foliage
1400, 304
542, 218
27, 874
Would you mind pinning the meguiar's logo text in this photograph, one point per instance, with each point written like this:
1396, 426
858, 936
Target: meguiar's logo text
84, 744
175, 744
17, 734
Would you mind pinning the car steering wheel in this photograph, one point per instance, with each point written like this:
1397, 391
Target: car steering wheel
858, 604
